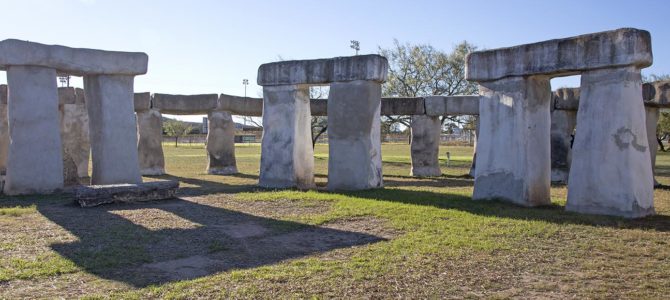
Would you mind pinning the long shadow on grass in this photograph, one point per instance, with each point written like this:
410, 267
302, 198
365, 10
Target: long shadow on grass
207, 187
174, 240
552, 213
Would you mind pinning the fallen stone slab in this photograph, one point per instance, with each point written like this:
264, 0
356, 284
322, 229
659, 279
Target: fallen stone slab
323, 71
94, 195
608, 49
185, 104
73, 61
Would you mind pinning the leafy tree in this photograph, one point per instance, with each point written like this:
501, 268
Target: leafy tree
176, 129
421, 70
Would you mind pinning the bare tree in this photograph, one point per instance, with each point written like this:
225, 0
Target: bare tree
421, 70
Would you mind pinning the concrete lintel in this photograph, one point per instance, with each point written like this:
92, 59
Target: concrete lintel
73, 61
243, 106
142, 101
452, 105
567, 56
185, 104
371, 67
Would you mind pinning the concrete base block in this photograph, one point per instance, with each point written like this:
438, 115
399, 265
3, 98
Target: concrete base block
562, 127
34, 160
149, 145
425, 146
113, 129
513, 154
221, 143
287, 156
355, 159
611, 169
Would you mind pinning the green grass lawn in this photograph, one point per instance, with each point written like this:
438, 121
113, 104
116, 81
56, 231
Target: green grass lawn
416, 238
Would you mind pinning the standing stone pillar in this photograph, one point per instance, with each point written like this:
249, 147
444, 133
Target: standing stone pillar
611, 173
4, 130
354, 141
425, 146
68, 130
34, 160
474, 150
562, 127
513, 155
287, 157
651, 117
113, 133
149, 144
221, 143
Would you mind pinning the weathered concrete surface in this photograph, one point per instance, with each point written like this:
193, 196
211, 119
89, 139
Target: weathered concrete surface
287, 157
355, 160
113, 129
611, 171
513, 154
566, 99
452, 105
149, 144
252, 107
34, 161
390, 106
75, 136
651, 118
319, 107
89, 196
563, 121
656, 93
320, 71
185, 104
402, 106
74, 61
562, 128
566, 102
425, 146
4, 129
142, 101
221, 143
66, 95
616, 48
474, 149
80, 96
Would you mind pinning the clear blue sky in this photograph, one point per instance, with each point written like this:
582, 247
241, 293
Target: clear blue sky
210, 46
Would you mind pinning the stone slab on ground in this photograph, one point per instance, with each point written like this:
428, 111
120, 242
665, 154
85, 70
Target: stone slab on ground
94, 195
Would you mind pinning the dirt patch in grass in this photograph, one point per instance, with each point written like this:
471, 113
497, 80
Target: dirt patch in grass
281, 208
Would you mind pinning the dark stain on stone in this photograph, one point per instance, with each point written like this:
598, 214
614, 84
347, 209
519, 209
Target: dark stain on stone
624, 137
